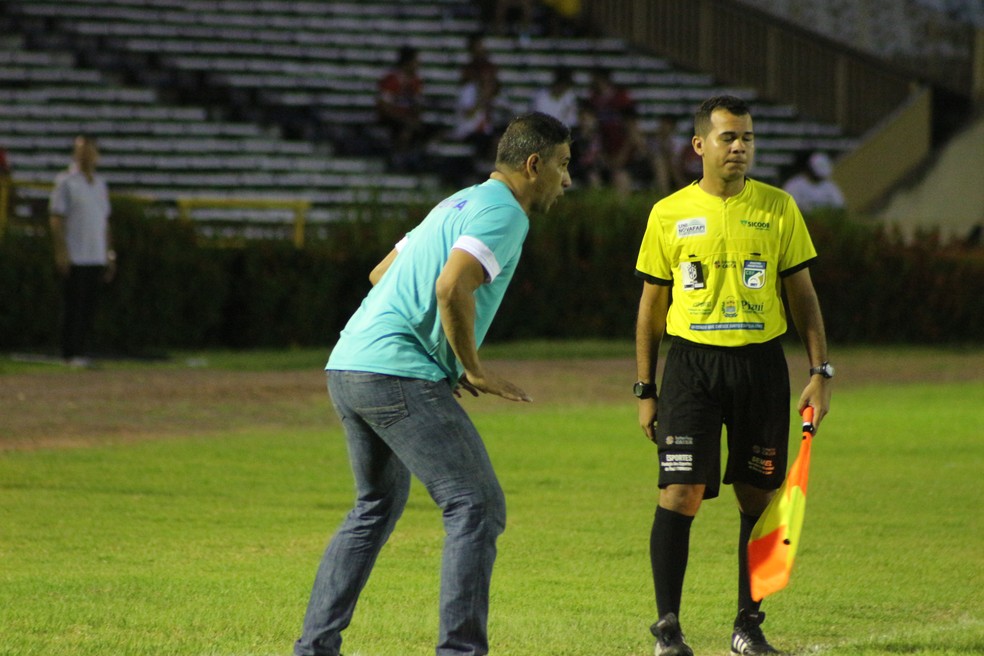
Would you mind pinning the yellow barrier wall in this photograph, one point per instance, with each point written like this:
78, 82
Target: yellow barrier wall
888, 153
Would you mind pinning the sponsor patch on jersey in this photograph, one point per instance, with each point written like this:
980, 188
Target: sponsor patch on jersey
692, 275
756, 225
753, 274
762, 465
677, 462
728, 325
691, 227
729, 307
701, 308
457, 203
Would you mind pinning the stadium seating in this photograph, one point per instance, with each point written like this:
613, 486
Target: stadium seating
905, 31
275, 98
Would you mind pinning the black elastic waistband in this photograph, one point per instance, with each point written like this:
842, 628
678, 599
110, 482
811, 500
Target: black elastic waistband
771, 345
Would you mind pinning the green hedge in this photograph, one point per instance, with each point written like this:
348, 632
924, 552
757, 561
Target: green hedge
877, 287
576, 280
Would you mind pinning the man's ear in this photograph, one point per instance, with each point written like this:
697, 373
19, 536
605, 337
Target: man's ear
533, 164
698, 144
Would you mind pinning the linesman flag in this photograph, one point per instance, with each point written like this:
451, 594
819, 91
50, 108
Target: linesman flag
776, 535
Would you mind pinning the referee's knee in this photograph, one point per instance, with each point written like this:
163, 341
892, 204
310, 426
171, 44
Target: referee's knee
752, 500
682, 498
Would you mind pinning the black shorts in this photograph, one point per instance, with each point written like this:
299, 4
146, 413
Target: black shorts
746, 389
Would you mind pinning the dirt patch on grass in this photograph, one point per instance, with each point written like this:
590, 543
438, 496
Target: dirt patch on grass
74, 408
69, 408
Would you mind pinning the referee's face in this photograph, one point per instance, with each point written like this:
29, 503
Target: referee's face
728, 148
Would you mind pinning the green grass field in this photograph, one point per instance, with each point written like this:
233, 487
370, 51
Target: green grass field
207, 545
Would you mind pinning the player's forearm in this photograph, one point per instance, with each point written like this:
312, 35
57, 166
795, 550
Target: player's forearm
647, 352
815, 341
57, 225
456, 306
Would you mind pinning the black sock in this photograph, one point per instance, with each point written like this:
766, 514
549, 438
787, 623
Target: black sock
745, 601
669, 548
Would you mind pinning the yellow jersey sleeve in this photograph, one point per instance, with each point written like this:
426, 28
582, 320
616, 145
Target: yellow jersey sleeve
797, 247
653, 263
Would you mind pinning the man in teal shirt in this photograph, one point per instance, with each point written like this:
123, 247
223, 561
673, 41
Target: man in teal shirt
393, 376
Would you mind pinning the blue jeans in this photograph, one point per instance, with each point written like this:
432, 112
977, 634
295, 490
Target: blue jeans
396, 427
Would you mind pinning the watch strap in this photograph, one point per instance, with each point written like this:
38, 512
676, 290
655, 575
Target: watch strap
643, 390
824, 370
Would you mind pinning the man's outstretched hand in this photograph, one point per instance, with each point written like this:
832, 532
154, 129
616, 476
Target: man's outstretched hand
489, 383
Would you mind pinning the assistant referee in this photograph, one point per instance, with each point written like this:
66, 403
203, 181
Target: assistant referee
715, 258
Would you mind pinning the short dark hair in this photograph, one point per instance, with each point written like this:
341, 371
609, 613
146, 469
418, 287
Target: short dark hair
702, 118
534, 132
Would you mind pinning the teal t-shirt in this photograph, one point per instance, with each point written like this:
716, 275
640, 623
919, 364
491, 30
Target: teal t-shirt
397, 329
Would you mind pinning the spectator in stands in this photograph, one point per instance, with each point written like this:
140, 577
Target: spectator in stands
479, 66
399, 107
559, 99
633, 165
813, 188
79, 216
588, 166
513, 17
480, 115
688, 166
665, 145
610, 103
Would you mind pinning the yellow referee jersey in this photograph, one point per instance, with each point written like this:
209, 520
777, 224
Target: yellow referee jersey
724, 259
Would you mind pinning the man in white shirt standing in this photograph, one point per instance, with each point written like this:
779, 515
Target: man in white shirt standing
559, 99
79, 211
813, 188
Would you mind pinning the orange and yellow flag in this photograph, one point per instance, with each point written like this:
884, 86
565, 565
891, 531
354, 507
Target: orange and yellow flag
776, 535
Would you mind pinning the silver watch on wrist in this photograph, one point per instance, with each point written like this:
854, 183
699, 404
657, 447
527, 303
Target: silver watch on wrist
826, 370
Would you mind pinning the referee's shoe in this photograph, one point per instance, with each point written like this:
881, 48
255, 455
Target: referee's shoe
669, 637
748, 639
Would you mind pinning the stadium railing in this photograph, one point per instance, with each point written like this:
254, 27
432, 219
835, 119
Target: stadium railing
299, 208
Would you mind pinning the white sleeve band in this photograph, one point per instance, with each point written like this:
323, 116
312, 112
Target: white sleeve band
400, 244
482, 253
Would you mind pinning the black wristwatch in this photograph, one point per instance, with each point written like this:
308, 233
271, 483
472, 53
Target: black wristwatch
644, 390
826, 370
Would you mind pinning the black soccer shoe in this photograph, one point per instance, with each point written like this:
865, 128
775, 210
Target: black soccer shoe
669, 637
748, 639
